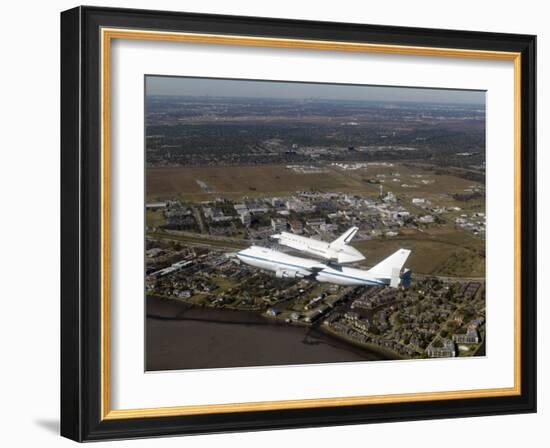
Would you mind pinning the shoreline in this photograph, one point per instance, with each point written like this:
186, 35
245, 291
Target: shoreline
387, 353
183, 336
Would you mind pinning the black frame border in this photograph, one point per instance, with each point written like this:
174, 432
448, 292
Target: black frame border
81, 223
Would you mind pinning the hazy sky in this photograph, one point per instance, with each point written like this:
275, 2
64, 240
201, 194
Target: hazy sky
165, 85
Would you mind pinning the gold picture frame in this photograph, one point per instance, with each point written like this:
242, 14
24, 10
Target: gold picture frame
106, 31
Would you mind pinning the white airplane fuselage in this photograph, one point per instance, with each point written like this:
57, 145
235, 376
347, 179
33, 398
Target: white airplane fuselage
289, 266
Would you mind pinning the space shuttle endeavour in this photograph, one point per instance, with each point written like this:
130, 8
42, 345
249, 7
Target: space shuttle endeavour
338, 251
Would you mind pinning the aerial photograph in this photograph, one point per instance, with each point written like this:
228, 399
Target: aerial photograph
292, 223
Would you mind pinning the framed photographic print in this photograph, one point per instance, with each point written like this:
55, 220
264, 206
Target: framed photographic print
275, 224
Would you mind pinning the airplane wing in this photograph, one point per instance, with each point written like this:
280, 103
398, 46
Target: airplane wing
312, 272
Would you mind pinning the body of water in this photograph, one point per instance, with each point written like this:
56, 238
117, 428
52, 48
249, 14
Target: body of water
180, 336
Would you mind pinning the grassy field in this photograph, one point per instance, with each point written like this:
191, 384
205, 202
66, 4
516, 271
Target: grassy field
452, 253
234, 182
154, 218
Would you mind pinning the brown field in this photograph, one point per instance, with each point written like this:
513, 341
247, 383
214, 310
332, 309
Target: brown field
237, 181
234, 182
439, 190
444, 252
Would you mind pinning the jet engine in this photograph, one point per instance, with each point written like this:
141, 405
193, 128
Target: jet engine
286, 273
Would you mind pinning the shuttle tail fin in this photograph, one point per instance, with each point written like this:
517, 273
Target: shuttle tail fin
344, 239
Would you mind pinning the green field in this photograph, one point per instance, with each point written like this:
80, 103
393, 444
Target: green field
154, 218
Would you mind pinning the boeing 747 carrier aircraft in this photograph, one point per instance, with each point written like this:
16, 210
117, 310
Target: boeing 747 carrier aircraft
387, 272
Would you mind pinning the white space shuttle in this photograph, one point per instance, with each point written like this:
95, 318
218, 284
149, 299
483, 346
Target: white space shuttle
388, 272
338, 251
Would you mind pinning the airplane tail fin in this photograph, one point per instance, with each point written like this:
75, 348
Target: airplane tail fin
390, 268
344, 239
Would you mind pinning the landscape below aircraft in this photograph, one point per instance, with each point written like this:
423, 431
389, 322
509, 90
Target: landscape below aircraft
338, 251
387, 272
